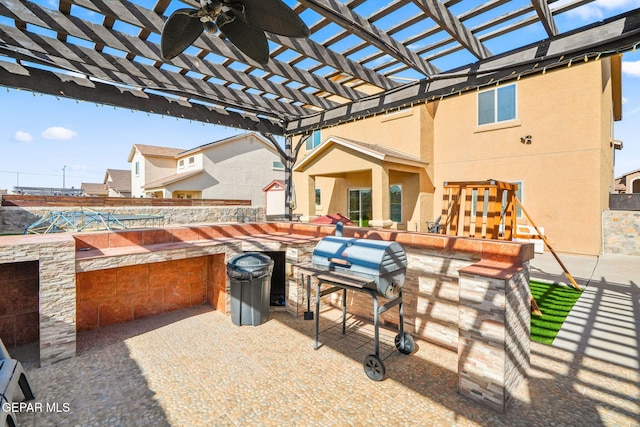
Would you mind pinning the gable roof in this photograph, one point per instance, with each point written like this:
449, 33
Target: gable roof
120, 179
276, 182
374, 151
154, 151
231, 139
94, 188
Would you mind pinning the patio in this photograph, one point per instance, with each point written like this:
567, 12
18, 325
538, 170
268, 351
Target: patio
194, 367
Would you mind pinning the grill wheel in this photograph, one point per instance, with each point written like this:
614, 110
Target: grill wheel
374, 368
406, 345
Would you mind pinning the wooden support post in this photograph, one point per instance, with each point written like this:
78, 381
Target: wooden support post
546, 242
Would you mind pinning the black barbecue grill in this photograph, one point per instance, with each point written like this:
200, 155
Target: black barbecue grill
375, 267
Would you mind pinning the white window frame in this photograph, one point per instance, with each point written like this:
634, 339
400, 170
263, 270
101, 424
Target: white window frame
496, 106
137, 167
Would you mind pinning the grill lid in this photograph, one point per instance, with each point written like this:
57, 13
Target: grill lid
382, 262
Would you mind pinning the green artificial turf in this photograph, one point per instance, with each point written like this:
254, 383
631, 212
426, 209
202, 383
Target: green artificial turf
555, 302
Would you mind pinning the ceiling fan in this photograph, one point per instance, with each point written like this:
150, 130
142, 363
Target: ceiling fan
243, 22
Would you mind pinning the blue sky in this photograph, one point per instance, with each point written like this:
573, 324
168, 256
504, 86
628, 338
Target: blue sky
40, 134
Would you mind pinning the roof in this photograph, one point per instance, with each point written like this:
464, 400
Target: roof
154, 151
228, 140
275, 182
94, 188
624, 175
176, 177
362, 57
120, 179
374, 151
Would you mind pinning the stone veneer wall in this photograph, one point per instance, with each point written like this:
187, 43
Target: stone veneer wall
56, 256
16, 219
430, 296
621, 232
19, 319
494, 333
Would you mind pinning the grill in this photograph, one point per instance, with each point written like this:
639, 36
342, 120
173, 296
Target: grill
383, 263
375, 267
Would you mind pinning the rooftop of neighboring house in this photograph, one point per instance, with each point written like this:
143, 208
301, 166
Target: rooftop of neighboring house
120, 179
154, 151
624, 175
94, 188
224, 141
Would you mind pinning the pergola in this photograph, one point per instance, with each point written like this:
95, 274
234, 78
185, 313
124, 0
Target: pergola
363, 57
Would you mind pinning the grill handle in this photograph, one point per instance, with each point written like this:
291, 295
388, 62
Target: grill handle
339, 261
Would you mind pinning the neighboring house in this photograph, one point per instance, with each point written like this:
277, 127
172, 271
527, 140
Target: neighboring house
552, 133
238, 167
150, 163
628, 183
118, 182
94, 189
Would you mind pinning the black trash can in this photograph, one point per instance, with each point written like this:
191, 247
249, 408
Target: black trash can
250, 275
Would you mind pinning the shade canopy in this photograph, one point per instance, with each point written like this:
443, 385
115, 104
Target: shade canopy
362, 57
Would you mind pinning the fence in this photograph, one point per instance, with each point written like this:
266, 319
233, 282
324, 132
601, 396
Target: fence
624, 202
51, 201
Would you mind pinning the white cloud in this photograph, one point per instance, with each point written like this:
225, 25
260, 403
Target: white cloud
631, 68
58, 132
598, 8
22, 136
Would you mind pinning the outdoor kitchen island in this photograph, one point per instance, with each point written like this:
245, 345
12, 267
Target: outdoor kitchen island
468, 295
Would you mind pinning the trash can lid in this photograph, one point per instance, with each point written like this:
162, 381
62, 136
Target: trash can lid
249, 261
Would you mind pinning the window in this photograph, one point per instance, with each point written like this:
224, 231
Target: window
314, 140
497, 105
395, 199
318, 197
278, 166
181, 163
519, 196
192, 161
137, 168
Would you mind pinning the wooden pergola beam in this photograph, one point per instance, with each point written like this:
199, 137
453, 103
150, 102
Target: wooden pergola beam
69, 86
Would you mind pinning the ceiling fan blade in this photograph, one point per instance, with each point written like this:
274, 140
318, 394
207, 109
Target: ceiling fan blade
180, 30
275, 17
250, 40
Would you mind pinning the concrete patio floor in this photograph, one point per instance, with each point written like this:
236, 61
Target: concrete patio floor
193, 367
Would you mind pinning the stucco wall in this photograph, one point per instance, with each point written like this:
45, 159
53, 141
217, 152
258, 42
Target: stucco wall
564, 167
240, 170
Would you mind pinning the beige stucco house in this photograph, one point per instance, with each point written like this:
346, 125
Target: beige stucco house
552, 133
628, 183
118, 182
238, 167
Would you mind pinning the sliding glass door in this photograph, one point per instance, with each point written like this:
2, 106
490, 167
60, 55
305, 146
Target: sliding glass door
360, 206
